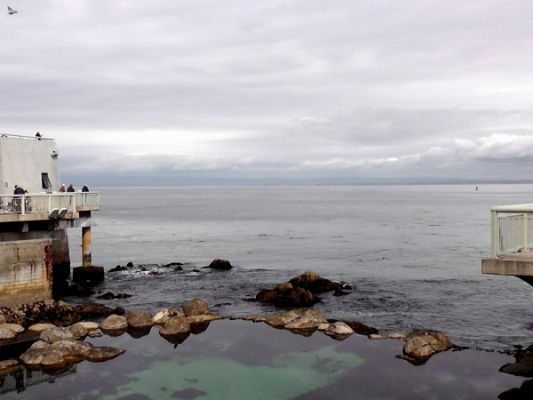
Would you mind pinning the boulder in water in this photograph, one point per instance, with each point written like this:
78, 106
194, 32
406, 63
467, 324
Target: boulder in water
139, 319
220, 264
420, 345
114, 323
196, 307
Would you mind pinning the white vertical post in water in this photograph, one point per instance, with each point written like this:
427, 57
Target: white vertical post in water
495, 230
524, 232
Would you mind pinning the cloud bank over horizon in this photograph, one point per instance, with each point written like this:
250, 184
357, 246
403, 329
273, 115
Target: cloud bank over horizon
297, 89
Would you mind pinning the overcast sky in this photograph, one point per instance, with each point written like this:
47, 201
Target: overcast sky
264, 88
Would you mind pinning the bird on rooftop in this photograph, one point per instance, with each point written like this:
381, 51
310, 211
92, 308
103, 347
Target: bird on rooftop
10, 11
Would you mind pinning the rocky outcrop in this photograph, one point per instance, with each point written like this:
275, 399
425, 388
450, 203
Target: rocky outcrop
315, 283
56, 334
300, 291
420, 345
175, 326
285, 295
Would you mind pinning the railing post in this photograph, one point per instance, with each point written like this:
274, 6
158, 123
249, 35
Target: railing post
525, 245
74, 202
23, 204
495, 234
49, 203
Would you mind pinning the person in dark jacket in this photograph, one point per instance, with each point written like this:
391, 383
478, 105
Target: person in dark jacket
18, 190
85, 188
71, 188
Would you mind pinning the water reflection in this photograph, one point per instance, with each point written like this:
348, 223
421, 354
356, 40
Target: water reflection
245, 360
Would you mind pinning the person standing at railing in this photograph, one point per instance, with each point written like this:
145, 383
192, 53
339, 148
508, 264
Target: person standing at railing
70, 188
85, 188
62, 188
17, 200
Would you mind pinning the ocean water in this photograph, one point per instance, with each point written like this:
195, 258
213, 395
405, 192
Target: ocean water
412, 253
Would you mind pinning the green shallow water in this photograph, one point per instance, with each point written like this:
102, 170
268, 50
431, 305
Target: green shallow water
288, 376
242, 360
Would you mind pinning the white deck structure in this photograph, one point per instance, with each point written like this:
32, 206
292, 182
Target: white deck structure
511, 242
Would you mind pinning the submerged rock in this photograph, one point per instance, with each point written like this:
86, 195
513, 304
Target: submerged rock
220, 264
103, 353
524, 392
96, 310
420, 345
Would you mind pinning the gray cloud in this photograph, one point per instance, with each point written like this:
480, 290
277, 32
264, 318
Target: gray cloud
252, 87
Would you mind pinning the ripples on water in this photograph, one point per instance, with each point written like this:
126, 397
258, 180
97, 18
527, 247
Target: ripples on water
412, 253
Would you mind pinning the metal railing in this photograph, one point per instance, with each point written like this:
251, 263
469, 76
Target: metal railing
511, 229
53, 204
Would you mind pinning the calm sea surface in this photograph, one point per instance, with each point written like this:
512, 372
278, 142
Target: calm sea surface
412, 253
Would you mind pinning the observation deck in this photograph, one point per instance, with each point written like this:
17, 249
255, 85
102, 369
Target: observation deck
511, 242
47, 206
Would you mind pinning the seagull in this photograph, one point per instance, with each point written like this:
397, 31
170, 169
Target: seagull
10, 11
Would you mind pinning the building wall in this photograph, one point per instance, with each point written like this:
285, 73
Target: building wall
25, 271
23, 160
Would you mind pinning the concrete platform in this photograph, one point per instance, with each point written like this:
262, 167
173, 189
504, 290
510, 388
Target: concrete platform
519, 265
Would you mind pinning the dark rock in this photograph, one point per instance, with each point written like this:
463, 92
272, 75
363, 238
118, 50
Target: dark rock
174, 264
196, 270
220, 264
79, 291
118, 268
111, 296
296, 297
523, 365
340, 292
88, 274
178, 268
525, 392
91, 310
129, 265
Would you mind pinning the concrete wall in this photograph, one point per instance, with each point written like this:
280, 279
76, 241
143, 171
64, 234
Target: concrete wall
23, 160
25, 271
